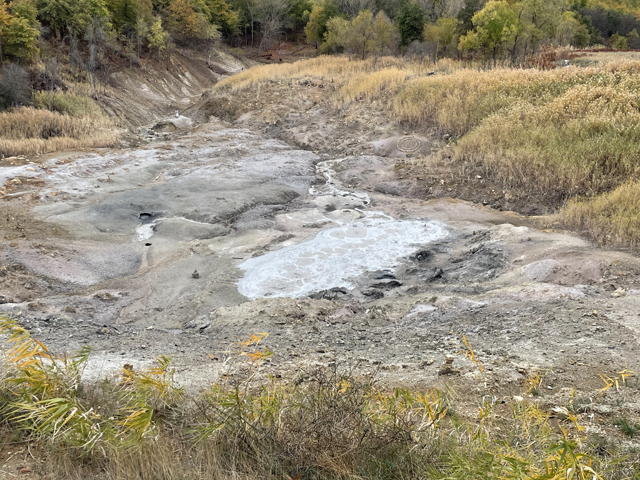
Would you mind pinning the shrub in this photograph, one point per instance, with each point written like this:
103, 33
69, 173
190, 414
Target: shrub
66, 103
14, 86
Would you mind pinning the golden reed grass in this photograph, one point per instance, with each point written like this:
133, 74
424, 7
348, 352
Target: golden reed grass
25, 131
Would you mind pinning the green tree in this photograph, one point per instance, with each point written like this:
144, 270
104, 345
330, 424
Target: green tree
62, 16
27, 11
56, 14
538, 21
385, 34
20, 31
221, 13
127, 14
633, 38
495, 25
298, 15
581, 36
364, 35
317, 26
334, 37
465, 16
443, 33
158, 37
361, 36
411, 20
470, 42
618, 42
567, 27
188, 20
21, 39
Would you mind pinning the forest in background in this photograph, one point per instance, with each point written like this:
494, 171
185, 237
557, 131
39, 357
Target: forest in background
41, 38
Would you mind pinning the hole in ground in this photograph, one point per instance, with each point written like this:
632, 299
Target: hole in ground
147, 244
145, 216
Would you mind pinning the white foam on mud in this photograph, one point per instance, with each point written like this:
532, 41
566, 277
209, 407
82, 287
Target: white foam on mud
335, 257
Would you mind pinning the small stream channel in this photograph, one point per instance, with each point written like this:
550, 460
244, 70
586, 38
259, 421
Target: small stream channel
334, 257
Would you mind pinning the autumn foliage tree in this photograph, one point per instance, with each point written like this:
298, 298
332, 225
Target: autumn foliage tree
364, 35
19, 32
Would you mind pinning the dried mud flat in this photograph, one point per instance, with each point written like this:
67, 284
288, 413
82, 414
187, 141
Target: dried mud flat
145, 252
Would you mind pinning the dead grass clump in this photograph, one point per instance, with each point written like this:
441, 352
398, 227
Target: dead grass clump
26, 131
458, 102
611, 218
583, 142
371, 86
335, 69
556, 133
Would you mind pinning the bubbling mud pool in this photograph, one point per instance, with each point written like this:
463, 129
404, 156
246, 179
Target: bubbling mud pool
336, 256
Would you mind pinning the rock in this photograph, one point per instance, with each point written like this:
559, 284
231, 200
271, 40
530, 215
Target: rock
426, 363
447, 367
373, 293
195, 274
602, 409
199, 324
3, 299
384, 276
70, 309
434, 275
331, 294
619, 292
560, 412
387, 285
173, 124
106, 296
423, 255
25, 470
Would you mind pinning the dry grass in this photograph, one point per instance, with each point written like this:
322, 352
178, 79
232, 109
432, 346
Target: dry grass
610, 218
27, 131
337, 70
318, 425
372, 86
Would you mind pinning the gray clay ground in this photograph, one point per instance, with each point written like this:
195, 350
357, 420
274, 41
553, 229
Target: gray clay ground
141, 253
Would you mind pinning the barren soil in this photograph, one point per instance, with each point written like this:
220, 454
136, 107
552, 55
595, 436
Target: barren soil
141, 252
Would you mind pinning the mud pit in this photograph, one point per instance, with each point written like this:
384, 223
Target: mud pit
182, 247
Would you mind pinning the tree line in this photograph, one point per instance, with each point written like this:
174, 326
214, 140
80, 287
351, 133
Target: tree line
487, 28
506, 29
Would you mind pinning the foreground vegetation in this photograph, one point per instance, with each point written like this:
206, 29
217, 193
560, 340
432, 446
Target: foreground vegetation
320, 425
568, 134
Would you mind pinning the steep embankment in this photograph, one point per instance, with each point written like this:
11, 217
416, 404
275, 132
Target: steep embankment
140, 96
